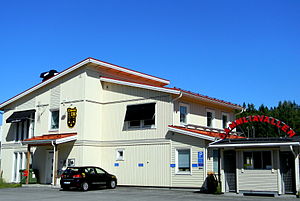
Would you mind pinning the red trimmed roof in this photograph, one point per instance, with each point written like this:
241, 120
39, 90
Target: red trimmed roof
51, 137
207, 133
181, 90
207, 97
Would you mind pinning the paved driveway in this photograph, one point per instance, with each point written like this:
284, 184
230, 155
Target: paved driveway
119, 194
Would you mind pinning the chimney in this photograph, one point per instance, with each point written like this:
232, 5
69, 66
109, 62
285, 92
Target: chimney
48, 75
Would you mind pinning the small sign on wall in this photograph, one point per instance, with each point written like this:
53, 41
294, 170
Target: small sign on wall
72, 114
200, 159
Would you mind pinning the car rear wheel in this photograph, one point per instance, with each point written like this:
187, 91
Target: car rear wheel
85, 186
112, 184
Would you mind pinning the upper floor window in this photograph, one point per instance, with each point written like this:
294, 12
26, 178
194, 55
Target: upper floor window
140, 116
210, 117
54, 115
183, 113
225, 120
23, 123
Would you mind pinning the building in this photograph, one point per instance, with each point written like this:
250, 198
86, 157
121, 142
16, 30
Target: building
261, 165
129, 123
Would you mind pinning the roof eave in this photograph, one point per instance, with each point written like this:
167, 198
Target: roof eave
74, 67
214, 145
213, 101
189, 133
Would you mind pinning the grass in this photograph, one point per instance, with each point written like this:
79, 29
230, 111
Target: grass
3, 184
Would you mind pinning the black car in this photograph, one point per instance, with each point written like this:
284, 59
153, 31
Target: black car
86, 177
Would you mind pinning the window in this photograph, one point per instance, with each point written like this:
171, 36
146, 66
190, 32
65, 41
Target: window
225, 120
210, 116
216, 161
258, 160
99, 171
120, 155
183, 161
140, 116
183, 112
54, 125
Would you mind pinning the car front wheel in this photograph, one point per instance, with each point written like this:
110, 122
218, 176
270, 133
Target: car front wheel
85, 186
112, 184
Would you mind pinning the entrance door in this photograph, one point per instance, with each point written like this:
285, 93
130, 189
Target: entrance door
287, 170
230, 171
49, 167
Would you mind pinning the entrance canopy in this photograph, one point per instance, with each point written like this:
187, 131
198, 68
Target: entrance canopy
20, 116
201, 132
51, 139
256, 142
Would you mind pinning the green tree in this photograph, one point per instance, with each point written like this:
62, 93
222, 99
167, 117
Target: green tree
286, 111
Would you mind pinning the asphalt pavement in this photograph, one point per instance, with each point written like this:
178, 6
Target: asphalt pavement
46, 193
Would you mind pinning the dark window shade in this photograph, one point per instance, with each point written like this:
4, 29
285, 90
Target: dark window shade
140, 112
20, 116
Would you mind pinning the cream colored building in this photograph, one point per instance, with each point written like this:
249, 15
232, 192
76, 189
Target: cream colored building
127, 122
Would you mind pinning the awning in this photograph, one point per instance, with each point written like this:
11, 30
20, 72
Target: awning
20, 116
51, 138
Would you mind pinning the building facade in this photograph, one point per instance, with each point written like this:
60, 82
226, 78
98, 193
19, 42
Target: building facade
127, 122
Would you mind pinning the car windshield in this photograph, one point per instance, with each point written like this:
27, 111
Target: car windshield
71, 171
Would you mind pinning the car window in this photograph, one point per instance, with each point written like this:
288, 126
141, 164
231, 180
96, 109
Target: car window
99, 171
89, 171
71, 171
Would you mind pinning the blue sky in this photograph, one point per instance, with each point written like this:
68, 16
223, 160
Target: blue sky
238, 51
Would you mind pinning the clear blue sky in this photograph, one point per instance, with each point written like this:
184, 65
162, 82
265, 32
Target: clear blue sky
238, 51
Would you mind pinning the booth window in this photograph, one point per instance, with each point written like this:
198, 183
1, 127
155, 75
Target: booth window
258, 160
184, 161
216, 161
140, 116
54, 125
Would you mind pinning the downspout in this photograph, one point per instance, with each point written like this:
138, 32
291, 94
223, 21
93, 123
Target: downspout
53, 163
292, 150
175, 99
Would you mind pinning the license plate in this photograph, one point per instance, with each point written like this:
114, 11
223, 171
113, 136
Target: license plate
67, 182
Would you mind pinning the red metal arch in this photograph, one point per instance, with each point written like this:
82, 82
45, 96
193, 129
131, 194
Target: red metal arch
260, 118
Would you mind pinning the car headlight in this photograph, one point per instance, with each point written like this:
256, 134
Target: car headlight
114, 177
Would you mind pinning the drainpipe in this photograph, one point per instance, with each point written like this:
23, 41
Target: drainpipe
175, 99
292, 150
53, 163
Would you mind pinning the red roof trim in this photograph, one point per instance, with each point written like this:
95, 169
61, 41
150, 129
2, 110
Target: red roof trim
139, 83
207, 97
181, 90
50, 137
207, 133
129, 69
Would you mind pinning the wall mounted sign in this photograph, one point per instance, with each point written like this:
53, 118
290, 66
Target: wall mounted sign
72, 114
260, 118
200, 159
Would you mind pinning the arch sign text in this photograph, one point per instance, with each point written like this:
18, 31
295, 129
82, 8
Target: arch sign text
260, 118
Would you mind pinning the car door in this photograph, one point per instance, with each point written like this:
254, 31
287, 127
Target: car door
101, 176
90, 175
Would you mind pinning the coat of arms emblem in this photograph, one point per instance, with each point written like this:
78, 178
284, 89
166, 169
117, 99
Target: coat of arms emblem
72, 114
